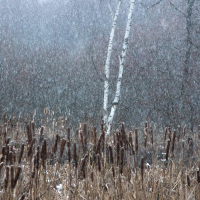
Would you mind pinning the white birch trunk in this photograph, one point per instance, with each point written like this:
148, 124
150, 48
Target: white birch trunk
107, 65
121, 67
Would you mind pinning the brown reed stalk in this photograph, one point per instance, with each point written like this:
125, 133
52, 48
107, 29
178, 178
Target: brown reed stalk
198, 177
6, 178
62, 146
169, 133
136, 140
33, 128
33, 173
12, 176
37, 158
123, 132
173, 141
111, 154
14, 156
113, 171
142, 169
7, 154
56, 144
121, 160
130, 139
117, 135
98, 146
1, 166
75, 156
23, 197
99, 162
68, 151
68, 134
17, 176
21, 153
44, 152
41, 134
151, 136
102, 126
82, 142
188, 180
167, 152
3, 151
118, 152
146, 125
83, 165
145, 141
31, 147
92, 176
29, 134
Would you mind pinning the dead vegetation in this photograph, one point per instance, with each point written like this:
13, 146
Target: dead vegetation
57, 162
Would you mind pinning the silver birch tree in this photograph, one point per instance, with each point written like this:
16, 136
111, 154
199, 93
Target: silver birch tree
109, 119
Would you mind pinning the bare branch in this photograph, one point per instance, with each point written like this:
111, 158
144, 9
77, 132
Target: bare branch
176, 8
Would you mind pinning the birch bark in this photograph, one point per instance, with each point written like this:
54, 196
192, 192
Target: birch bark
107, 65
121, 67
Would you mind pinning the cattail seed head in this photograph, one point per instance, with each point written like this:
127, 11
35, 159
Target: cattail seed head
173, 141
167, 153
99, 162
82, 142
56, 144
169, 133
198, 177
75, 156
44, 152
188, 180
31, 147
92, 176
121, 160
21, 153
29, 134
111, 154
136, 140
68, 134
113, 171
152, 136
3, 151
98, 146
62, 147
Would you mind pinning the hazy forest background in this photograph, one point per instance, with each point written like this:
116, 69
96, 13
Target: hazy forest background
53, 52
